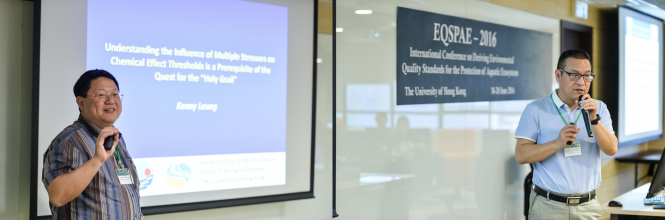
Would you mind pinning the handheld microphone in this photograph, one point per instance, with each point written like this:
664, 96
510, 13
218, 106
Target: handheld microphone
108, 142
585, 114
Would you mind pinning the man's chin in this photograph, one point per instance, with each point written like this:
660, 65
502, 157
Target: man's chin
110, 119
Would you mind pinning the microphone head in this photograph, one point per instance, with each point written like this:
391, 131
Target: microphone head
581, 97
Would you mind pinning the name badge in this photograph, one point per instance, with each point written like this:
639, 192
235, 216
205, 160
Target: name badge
124, 176
574, 149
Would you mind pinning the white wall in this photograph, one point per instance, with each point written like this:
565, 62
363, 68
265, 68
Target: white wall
15, 107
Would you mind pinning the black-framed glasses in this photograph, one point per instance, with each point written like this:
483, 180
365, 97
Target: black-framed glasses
576, 76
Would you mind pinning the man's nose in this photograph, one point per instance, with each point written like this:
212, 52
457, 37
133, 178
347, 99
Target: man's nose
109, 100
580, 81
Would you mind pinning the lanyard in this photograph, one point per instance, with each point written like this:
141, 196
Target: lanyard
116, 153
564, 120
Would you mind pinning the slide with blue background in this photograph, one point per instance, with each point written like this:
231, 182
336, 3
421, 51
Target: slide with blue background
204, 88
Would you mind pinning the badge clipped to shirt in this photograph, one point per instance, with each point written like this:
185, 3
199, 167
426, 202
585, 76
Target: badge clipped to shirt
574, 149
125, 176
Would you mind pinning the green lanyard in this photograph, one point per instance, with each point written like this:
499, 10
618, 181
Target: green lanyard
564, 120
117, 155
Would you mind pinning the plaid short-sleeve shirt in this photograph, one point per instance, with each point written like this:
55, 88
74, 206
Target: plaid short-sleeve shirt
104, 197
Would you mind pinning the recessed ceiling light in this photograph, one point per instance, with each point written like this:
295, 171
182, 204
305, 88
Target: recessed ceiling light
339, 29
363, 12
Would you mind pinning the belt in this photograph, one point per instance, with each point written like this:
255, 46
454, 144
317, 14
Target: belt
568, 200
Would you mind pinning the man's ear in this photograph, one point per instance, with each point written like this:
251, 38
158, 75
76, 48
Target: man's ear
79, 102
557, 75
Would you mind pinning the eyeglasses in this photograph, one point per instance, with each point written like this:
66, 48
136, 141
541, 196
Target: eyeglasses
101, 97
576, 76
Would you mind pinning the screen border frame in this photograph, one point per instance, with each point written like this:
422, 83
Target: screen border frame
163, 209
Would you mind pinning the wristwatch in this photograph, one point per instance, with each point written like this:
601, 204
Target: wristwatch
595, 122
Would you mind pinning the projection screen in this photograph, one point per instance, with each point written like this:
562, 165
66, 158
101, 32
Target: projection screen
640, 77
218, 96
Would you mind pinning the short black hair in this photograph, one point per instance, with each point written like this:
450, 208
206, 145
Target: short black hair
83, 83
574, 53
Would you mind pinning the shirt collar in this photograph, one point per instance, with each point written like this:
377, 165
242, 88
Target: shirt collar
557, 100
90, 125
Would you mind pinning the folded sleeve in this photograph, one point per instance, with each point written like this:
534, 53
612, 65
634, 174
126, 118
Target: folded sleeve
528, 125
605, 117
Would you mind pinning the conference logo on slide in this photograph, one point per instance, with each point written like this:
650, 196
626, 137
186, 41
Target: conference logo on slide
178, 174
145, 173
